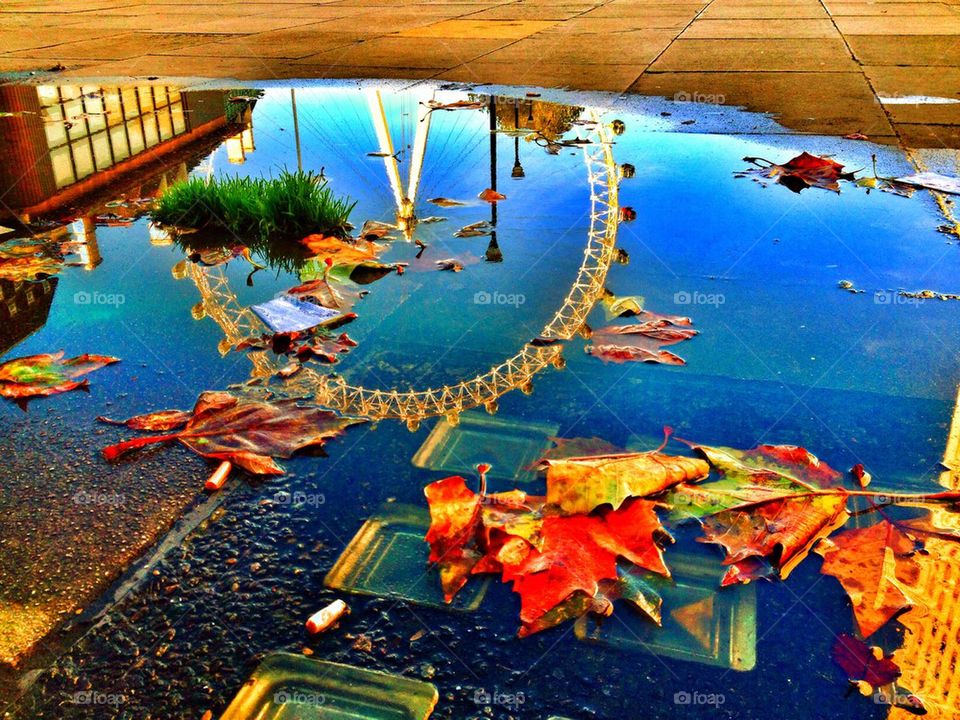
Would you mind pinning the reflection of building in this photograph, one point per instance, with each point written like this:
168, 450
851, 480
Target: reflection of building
24, 307
549, 119
66, 142
239, 145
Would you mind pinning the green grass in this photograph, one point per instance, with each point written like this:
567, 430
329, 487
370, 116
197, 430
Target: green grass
292, 205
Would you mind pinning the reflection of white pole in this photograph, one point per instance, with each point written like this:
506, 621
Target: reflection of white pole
379, 117
419, 150
296, 128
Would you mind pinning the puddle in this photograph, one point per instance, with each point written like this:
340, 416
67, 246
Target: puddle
782, 355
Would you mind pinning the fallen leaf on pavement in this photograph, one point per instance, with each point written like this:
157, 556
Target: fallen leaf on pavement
801, 172
765, 510
875, 565
248, 433
561, 566
25, 378
642, 341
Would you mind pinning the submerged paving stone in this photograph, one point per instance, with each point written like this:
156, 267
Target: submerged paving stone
510, 446
388, 558
701, 625
286, 685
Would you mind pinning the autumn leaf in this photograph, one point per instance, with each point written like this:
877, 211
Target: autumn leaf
875, 565
306, 345
561, 565
249, 433
576, 553
768, 509
331, 295
340, 251
477, 229
863, 663
374, 230
642, 341
580, 484
803, 171
445, 202
491, 196
25, 378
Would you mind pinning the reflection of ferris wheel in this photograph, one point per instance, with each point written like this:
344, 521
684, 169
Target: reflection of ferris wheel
238, 322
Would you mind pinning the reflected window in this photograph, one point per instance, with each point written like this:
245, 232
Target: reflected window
62, 166
135, 134
101, 150
118, 140
150, 133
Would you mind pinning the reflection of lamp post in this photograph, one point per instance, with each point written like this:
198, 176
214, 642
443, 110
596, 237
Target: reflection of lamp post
517, 171
493, 249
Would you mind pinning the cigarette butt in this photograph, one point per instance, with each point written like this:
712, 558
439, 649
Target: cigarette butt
219, 477
328, 616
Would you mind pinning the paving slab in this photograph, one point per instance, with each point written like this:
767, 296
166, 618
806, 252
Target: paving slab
411, 52
761, 28
722, 10
515, 11
757, 55
641, 10
609, 77
884, 25
291, 44
930, 136
895, 9
123, 46
631, 48
823, 103
472, 28
910, 50
659, 20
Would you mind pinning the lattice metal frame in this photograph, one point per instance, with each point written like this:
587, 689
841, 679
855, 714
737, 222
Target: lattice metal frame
237, 322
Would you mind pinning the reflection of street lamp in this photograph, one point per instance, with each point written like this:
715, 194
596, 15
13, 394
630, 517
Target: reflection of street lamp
517, 171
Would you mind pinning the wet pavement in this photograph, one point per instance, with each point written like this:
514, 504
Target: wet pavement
784, 355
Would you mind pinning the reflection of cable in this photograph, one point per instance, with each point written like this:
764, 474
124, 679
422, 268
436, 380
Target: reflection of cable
238, 322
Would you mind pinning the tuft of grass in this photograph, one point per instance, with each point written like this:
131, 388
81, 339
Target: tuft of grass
292, 205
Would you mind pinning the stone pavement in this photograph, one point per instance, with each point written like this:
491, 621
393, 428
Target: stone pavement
836, 66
